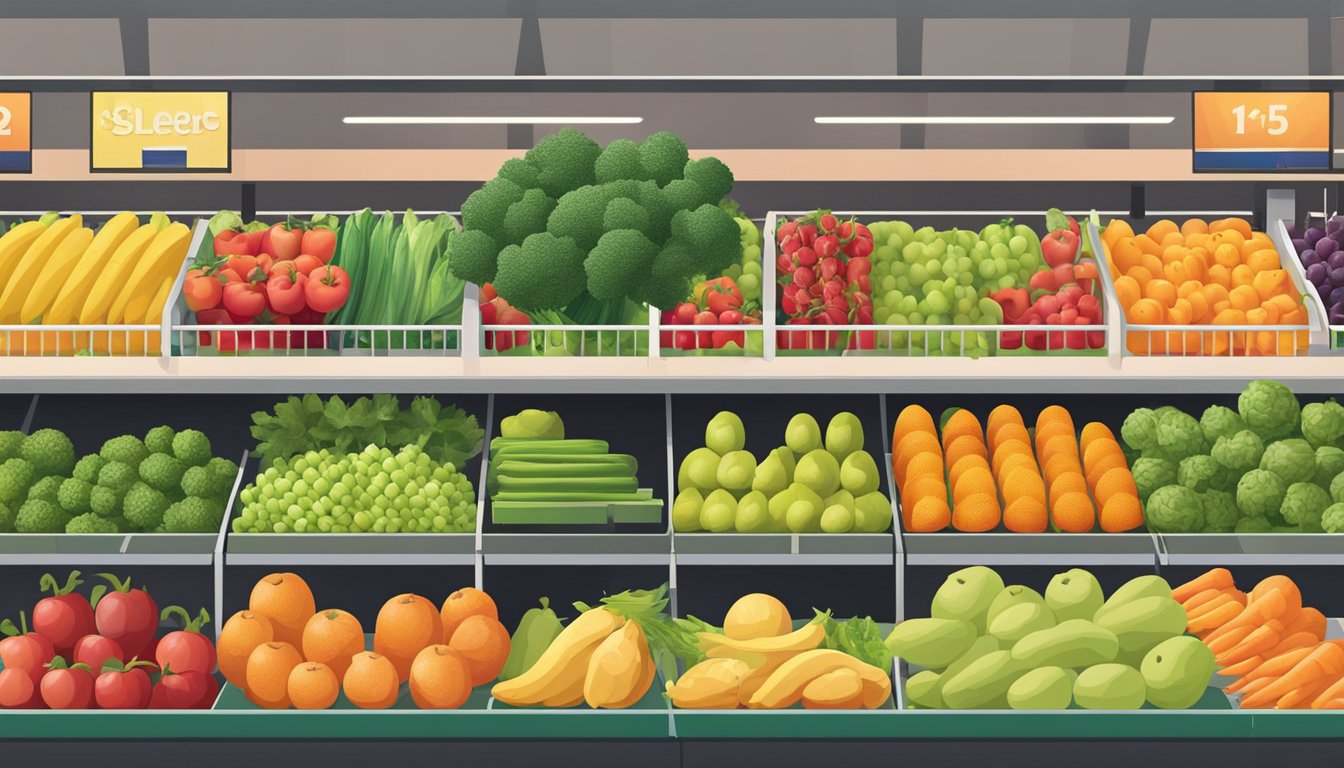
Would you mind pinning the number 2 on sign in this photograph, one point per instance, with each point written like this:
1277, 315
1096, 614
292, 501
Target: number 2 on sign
4, 122
1275, 122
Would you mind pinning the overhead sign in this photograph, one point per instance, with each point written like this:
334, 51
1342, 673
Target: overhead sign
1262, 132
16, 133
161, 131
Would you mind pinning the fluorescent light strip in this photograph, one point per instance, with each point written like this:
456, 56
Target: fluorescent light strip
673, 78
474, 120
995, 120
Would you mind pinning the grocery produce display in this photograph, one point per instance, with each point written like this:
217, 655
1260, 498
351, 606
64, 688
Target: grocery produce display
814, 483
991, 646
56, 271
104, 650
1204, 274
1270, 466
1005, 476
825, 277
1318, 251
167, 482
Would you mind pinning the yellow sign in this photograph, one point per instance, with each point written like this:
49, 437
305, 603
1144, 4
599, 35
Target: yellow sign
1254, 131
16, 142
161, 131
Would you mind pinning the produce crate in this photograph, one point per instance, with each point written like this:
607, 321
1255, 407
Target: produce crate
82, 340
1267, 549
1329, 339
1220, 340
1073, 549
917, 340
568, 340
591, 545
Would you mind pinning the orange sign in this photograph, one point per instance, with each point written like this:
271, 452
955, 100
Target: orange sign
16, 145
1261, 131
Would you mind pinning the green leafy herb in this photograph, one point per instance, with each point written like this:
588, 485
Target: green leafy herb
858, 637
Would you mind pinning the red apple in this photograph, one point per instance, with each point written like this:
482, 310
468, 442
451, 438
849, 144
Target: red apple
1060, 247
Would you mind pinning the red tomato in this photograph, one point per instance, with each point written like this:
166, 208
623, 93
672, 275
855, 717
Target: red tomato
319, 242
188, 690
242, 265
123, 686
684, 314
510, 316
718, 295
29, 652
186, 650
255, 240
67, 687
202, 291
95, 650
230, 243
705, 339
244, 301
128, 616
328, 288
285, 290
17, 690
283, 243
306, 263
64, 617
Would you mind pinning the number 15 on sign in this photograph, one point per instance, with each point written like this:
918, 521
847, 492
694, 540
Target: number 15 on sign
16, 149
1262, 131
1273, 119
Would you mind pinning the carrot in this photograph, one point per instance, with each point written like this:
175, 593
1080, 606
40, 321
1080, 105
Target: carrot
1213, 621
1243, 667
1201, 598
1282, 583
1270, 605
1271, 669
1259, 640
1253, 687
1326, 660
1212, 604
1333, 693
1293, 642
1331, 704
1307, 620
1229, 641
1218, 578
1303, 697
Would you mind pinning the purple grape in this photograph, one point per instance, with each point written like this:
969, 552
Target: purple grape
1293, 232
1312, 235
1337, 314
1336, 296
1333, 225
1326, 246
1309, 257
1300, 245
1337, 237
1336, 260
1318, 273
1337, 276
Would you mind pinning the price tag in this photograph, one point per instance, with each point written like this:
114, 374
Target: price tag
16, 144
1265, 132
160, 132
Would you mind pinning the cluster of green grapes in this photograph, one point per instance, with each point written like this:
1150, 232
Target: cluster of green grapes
926, 277
747, 273
373, 491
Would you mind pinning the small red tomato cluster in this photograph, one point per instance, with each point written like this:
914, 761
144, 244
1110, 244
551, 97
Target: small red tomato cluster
95, 651
823, 266
275, 276
1067, 294
713, 302
496, 311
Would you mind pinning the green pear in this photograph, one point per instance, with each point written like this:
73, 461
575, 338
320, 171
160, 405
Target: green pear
736, 470
837, 518
1013, 594
803, 517
1074, 594
844, 435
786, 458
872, 512
686, 510
779, 509
859, 474
803, 434
967, 594
753, 513
700, 470
719, 511
1136, 588
1109, 686
771, 477
1042, 688
1017, 621
724, 433
819, 471
1177, 672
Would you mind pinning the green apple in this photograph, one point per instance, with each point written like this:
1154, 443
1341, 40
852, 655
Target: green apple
803, 517
719, 511
724, 433
1013, 594
1074, 594
803, 434
736, 470
700, 470
819, 471
967, 594
1177, 672
753, 513
872, 512
686, 510
837, 518
859, 474
844, 435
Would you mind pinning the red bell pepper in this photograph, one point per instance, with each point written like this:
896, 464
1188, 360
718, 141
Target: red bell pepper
1014, 301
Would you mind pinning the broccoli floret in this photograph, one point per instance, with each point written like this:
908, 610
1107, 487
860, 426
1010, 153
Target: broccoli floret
224, 468
619, 264
484, 209
104, 501
473, 256
73, 496
15, 476
1337, 488
208, 484
10, 441
160, 439
40, 516
1175, 509
90, 523
1179, 434
1139, 431
663, 156
1323, 423
578, 216
194, 515
163, 472
46, 489
1329, 463
1239, 453
1220, 511
49, 451
1219, 421
669, 278
1260, 493
88, 467
7, 514
519, 171
1253, 525
685, 195
564, 161
653, 200
122, 524
192, 447
1303, 504
710, 235
144, 506
624, 213
1292, 459
1200, 473
619, 160
1332, 520
117, 476
126, 449
1151, 474
711, 175
1269, 409
545, 272
527, 216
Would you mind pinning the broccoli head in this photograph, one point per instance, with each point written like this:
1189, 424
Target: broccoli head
715, 178
1220, 511
1253, 525
1239, 453
619, 160
126, 449
1332, 519
1139, 430
564, 161
619, 264
624, 213
224, 468
652, 199
578, 216
1303, 504
117, 476
1179, 435
1292, 459
40, 516
208, 484
1219, 421
710, 235
484, 210
473, 256
90, 523
1323, 423
527, 216
144, 506
104, 501
46, 489
1260, 493
194, 515
1269, 409
160, 439
7, 515
163, 472
192, 447
10, 441
49, 451
1329, 463
1175, 509
685, 195
545, 272
1200, 473
15, 477
87, 468
663, 156
519, 171
669, 278
73, 496
1151, 474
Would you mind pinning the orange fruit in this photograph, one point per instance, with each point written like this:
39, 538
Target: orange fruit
1061, 464
286, 600
975, 480
1073, 513
966, 445
268, 671
1122, 512
1099, 467
1054, 413
462, 604
1093, 430
441, 677
1059, 445
1127, 290
963, 422
1117, 480
1007, 432
966, 464
1021, 483
242, 633
1066, 482
371, 682
484, 643
916, 488
1025, 515
1002, 414
406, 624
1047, 431
924, 465
1015, 462
1161, 228
929, 514
313, 685
331, 637
1098, 450
975, 513
911, 419
911, 444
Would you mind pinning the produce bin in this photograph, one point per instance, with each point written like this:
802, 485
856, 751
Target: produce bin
1137, 549
917, 340
541, 340
1329, 339
1267, 549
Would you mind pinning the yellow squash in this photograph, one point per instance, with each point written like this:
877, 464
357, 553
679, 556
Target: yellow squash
620, 670
70, 299
114, 274
15, 243
802, 639
556, 680
20, 280
785, 685
711, 684
163, 256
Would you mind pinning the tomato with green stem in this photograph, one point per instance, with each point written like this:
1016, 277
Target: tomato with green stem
67, 686
65, 616
328, 288
123, 686
186, 649
95, 650
319, 242
244, 301
17, 690
128, 616
282, 243
285, 289
187, 690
